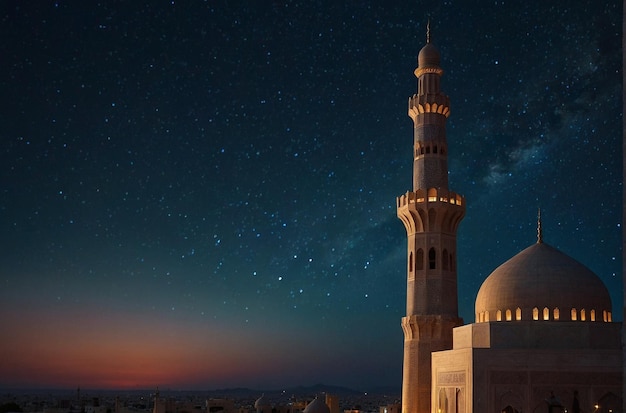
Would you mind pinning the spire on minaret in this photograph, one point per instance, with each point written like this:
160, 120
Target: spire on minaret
539, 233
428, 32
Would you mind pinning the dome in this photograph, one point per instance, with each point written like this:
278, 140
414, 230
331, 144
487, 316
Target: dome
428, 56
316, 406
542, 283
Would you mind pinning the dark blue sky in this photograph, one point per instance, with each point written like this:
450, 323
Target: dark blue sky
205, 192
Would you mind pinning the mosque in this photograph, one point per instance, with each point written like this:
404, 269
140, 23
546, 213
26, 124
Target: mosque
543, 340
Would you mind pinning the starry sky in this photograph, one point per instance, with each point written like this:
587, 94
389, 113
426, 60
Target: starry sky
201, 194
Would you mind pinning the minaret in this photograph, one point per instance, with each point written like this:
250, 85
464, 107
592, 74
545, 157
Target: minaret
431, 214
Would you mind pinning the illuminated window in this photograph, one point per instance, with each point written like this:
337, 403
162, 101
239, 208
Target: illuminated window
592, 315
610, 318
432, 195
546, 313
535, 313
508, 315
518, 314
486, 315
582, 315
419, 259
556, 313
432, 259
604, 316
574, 316
499, 315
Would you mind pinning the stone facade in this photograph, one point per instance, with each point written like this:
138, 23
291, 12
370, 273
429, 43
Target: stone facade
529, 367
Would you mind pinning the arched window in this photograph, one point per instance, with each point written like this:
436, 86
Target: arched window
432, 195
592, 315
444, 260
435, 149
428, 149
499, 315
411, 261
604, 316
508, 315
487, 315
546, 313
518, 314
443, 401
535, 313
432, 259
582, 315
574, 315
556, 314
419, 259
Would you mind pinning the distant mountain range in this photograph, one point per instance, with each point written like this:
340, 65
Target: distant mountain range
305, 390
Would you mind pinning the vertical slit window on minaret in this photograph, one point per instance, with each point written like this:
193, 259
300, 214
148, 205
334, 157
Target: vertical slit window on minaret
420, 259
432, 259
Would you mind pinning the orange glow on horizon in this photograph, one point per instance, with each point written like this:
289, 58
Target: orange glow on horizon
118, 351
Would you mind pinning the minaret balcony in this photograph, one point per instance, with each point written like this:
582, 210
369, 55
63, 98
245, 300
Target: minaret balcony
432, 210
420, 104
432, 195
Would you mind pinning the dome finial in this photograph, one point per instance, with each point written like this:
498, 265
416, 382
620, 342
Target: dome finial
539, 233
428, 31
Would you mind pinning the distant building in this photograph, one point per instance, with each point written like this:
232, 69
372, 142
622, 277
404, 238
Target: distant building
543, 340
391, 408
220, 406
317, 405
175, 406
262, 405
332, 401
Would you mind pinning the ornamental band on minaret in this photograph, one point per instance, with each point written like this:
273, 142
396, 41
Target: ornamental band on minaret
431, 214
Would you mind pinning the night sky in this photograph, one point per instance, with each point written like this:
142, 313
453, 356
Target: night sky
201, 194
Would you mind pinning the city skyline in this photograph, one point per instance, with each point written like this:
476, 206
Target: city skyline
202, 196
